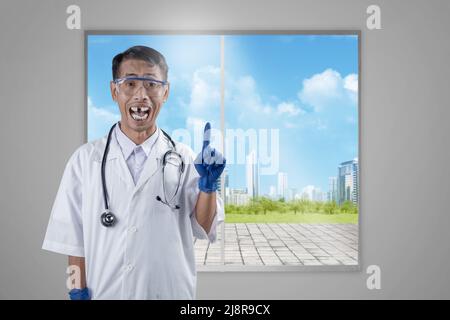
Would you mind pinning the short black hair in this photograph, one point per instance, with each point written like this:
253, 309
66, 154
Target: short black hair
143, 53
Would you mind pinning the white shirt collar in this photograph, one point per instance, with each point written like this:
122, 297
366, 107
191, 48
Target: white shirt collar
127, 145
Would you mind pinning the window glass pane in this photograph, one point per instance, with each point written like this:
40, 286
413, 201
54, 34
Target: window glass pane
291, 117
194, 76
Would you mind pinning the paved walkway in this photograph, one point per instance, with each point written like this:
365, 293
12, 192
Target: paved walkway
277, 244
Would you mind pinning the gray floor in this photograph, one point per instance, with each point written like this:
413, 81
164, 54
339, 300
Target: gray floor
275, 244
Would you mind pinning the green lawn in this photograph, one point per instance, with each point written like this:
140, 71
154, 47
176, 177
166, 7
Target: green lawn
291, 217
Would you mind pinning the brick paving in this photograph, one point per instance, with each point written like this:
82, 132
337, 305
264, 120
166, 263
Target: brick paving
278, 244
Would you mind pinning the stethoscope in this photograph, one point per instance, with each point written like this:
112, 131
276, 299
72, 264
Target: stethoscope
108, 219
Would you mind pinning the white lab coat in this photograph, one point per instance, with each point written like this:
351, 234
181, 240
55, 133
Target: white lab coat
149, 253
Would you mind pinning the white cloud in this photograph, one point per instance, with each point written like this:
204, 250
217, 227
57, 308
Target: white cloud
351, 82
203, 102
290, 125
193, 123
321, 88
100, 120
205, 88
242, 94
328, 87
289, 109
246, 95
105, 114
101, 114
351, 85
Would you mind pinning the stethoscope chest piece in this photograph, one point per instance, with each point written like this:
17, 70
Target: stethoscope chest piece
108, 219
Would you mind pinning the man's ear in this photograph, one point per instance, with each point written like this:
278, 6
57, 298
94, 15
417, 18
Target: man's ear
166, 94
114, 92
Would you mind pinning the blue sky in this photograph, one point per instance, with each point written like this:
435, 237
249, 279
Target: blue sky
304, 86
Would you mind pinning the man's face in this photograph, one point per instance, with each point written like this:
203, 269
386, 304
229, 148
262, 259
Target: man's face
138, 110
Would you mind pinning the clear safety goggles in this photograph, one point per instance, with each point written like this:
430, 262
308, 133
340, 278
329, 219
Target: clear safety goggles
129, 85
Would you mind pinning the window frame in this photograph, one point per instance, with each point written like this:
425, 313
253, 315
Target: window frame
248, 268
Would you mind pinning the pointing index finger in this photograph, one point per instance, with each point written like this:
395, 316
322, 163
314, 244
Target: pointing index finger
206, 135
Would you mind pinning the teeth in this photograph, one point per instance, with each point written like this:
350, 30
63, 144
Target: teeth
139, 118
143, 109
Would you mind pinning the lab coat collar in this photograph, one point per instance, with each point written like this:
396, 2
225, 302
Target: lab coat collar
127, 145
151, 165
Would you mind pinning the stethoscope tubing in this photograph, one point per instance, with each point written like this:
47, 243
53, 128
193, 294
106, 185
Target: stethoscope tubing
108, 219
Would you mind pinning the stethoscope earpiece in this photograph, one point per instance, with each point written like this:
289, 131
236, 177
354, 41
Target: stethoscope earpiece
158, 198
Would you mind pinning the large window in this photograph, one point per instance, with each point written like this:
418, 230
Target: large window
284, 109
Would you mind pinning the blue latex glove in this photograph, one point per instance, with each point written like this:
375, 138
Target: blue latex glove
209, 164
79, 294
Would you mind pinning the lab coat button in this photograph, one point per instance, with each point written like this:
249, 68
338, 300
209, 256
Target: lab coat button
129, 268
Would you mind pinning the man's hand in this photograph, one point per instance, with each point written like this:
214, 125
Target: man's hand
209, 164
79, 294
80, 291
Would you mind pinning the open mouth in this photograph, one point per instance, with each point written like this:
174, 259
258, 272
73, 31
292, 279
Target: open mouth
139, 113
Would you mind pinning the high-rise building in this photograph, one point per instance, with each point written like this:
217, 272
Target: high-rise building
226, 194
282, 185
312, 193
252, 174
348, 181
227, 178
332, 189
273, 192
355, 193
239, 197
219, 184
291, 194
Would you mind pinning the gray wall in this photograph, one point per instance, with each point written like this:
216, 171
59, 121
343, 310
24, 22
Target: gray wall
404, 120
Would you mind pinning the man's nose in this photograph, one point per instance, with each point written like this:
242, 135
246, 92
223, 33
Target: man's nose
141, 93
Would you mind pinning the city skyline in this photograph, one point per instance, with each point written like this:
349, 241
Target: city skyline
342, 187
253, 178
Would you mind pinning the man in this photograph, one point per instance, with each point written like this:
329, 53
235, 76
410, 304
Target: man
126, 211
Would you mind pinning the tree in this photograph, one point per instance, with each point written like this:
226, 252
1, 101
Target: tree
296, 206
330, 207
317, 206
254, 206
266, 204
349, 207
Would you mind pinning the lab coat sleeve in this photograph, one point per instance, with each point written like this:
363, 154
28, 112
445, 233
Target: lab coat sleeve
192, 191
198, 230
65, 229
